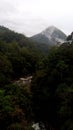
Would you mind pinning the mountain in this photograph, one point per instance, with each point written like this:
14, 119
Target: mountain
40, 42
10, 36
51, 36
19, 56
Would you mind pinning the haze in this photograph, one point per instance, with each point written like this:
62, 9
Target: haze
32, 16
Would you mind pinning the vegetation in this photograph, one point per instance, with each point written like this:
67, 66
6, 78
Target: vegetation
52, 89
49, 98
18, 58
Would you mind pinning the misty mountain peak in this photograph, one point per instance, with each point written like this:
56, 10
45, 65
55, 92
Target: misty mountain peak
51, 35
54, 33
49, 30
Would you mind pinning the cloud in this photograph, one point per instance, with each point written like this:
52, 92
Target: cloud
32, 16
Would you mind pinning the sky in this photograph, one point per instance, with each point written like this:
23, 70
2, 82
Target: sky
30, 17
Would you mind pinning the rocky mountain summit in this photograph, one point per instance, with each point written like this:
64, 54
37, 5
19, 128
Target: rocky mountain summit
51, 36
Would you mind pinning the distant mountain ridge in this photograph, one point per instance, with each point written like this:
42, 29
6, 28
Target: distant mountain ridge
10, 36
51, 36
40, 42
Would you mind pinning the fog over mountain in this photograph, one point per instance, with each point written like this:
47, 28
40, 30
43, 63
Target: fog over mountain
51, 35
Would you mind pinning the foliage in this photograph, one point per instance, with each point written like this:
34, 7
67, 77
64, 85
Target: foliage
15, 108
52, 89
16, 61
18, 58
50, 99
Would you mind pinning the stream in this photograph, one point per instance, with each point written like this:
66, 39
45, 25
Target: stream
38, 126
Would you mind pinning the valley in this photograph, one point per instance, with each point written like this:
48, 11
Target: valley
36, 80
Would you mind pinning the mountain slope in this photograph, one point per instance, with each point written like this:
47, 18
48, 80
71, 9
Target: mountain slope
51, 36
10, 36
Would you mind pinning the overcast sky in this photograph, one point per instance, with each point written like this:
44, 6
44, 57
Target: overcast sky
32, 16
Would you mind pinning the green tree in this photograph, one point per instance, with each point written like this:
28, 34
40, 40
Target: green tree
5, 70
51, 82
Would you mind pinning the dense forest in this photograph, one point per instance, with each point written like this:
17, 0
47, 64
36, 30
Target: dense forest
49, 96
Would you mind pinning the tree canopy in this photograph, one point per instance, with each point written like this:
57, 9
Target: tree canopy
52, 89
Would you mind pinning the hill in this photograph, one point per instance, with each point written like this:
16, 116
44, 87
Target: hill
10, 36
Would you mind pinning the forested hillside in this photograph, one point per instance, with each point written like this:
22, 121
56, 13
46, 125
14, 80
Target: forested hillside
19, 58
48, 98
52, 89
10, 36
18, 55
